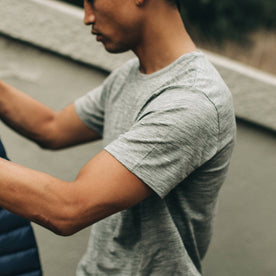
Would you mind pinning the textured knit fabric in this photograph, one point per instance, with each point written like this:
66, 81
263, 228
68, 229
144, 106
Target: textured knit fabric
18, 249
174, 129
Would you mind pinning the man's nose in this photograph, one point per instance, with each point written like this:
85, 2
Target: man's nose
89, 17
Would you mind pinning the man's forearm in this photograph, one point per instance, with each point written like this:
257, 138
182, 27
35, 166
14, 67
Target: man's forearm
38, 197
24, 114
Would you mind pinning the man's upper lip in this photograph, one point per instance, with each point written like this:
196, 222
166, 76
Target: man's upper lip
95, 32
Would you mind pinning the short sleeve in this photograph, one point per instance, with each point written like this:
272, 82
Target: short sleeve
90, 109
175, 134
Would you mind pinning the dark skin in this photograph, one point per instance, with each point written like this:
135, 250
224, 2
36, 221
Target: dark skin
103, 186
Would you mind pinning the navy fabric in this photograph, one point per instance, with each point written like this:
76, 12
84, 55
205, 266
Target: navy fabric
18, 248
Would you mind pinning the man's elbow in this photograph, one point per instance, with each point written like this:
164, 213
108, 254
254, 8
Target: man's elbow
63, 220
48, 136
54, 225
74, 221
64, 230
48, 144
68, 224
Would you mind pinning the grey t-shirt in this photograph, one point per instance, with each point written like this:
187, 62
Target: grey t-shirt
174, 129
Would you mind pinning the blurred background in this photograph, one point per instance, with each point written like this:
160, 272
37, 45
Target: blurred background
243, 30
47, 52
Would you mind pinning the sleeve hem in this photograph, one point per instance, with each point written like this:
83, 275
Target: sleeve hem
138, 174
92, 127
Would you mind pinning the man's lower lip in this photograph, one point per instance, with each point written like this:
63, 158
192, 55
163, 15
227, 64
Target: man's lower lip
99, 37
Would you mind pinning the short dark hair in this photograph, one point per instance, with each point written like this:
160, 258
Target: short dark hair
176, 3
172, 2
179, 5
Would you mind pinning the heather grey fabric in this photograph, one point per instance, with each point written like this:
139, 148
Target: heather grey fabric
175, 130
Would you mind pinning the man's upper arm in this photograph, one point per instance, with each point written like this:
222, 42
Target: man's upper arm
67, 130
103, 187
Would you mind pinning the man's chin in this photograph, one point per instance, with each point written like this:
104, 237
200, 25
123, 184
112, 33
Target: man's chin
115, 50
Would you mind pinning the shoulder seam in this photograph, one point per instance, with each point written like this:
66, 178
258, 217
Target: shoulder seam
217, 113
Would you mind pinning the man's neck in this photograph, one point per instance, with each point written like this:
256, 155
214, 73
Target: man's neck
164, 40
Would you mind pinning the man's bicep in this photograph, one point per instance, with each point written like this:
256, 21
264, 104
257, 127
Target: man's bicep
104, 187
69, 130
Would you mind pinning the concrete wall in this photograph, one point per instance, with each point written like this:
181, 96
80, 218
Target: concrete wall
244, 242
58, 27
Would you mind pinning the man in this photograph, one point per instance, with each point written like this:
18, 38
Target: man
168, 126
